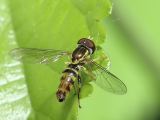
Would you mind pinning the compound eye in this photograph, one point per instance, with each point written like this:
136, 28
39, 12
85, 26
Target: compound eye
87, 43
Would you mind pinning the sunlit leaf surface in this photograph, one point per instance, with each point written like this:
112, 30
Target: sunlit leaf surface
14, 98
30, 92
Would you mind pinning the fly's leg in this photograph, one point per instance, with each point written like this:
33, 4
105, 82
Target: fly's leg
79, 89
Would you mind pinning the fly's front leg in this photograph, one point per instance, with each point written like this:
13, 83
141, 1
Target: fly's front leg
79, 89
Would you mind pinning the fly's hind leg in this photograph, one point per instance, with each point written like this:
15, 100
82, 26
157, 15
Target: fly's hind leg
79, 89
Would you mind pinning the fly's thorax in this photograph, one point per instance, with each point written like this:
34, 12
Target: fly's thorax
79, 54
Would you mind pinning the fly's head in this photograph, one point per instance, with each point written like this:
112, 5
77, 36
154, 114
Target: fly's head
89, 44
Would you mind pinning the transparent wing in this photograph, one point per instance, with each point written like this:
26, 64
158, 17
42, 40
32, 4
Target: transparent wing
35, 55
106, 80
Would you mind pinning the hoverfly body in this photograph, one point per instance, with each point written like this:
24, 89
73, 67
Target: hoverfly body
80, 57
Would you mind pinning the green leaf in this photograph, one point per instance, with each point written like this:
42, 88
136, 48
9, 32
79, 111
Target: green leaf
14, 99
44, 24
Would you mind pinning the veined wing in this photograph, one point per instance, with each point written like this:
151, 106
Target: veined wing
35, 55
106, 80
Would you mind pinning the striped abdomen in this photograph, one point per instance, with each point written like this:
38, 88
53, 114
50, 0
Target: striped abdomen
67, 81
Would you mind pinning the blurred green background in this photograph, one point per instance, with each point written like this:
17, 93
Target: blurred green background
132, 45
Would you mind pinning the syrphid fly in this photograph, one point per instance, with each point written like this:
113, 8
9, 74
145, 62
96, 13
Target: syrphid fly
81, 59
